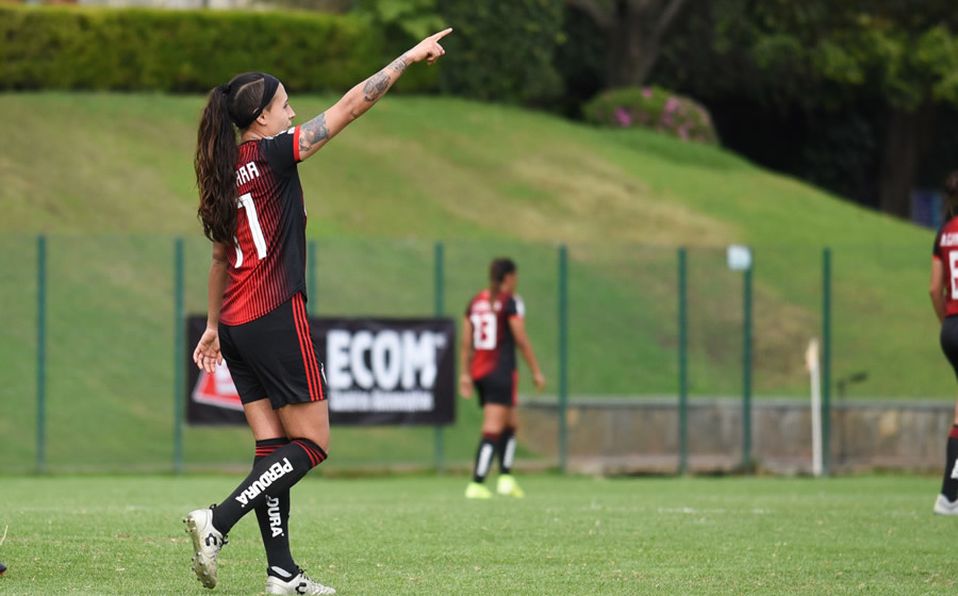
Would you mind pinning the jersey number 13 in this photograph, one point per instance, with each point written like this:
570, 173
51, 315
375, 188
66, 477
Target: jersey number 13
483, 331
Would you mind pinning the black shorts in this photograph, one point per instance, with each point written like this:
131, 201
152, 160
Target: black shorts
498, 388
949, 341
274, 356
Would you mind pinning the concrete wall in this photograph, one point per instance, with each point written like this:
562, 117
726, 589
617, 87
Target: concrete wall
640, 435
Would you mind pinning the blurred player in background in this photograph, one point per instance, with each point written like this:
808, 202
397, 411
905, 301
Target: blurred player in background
944, 299
252, 209
492, 329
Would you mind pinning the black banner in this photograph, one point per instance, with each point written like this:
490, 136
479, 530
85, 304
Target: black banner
378, 372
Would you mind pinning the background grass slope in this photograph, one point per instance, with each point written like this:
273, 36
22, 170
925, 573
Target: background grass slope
109, 178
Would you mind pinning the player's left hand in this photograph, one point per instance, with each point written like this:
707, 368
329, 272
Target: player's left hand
539, 380
465, 386
207, 353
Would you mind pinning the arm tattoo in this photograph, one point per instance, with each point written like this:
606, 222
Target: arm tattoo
399, 64
313, 132
379, 82
376, 86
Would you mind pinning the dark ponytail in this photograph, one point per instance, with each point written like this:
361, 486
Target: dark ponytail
498, 270
228, 108
951, 195
215, 165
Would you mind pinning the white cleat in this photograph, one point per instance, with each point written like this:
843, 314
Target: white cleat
300, 584
207, 542
945, 507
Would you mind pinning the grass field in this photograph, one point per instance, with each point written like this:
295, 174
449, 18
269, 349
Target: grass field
487, 180
417, 535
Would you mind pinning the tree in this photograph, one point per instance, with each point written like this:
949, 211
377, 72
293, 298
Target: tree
898, 58
635, 30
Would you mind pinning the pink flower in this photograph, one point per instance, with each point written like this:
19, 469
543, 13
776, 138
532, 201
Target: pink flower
623, 117
671, 105
647, 92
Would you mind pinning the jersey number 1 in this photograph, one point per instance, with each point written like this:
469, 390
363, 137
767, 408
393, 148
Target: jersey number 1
259, 241
483, 331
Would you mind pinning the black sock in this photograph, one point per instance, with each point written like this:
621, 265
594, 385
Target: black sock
484, 455
949, 485
507, 449
273, 518
276, 473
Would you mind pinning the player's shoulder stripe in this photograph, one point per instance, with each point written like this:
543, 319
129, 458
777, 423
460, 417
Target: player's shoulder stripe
520, 305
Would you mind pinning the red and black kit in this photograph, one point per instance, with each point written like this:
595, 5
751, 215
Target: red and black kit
267, 260
946, 251
493, 366
264, 331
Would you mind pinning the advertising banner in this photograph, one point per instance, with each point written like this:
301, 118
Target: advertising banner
379, 371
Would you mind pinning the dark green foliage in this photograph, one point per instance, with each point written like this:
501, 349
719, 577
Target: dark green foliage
502, 50
816, 54
580, 60
404, 23
68, 48
653, 108
414, 18
810, 88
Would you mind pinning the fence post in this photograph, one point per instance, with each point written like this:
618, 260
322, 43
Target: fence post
179, 355
563, 389
439, 288
826, 358
41, 462
747, 368
683, 362
311, 277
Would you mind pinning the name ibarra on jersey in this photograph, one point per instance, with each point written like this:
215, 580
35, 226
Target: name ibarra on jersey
245, 173
949, 239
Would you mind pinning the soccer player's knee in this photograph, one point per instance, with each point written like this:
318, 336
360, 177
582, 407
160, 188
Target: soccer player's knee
493, 427
315, 453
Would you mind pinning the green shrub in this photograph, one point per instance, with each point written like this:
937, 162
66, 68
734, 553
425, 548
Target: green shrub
139, 49
654, 108
502, 50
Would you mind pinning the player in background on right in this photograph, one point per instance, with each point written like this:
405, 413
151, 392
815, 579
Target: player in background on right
944, 298
492, 329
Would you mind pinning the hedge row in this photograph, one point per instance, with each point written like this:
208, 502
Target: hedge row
184, 51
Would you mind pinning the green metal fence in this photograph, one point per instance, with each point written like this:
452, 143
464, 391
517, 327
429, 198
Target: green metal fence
91, 342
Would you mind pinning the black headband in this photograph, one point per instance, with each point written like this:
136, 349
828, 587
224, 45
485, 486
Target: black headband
270, 85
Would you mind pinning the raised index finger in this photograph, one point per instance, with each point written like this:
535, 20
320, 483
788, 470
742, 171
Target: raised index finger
441, 34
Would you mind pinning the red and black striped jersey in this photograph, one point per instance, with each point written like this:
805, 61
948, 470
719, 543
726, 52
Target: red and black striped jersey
267, 260
946, 250
494, 347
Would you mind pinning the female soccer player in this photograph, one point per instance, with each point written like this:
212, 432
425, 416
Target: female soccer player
251, 206
492, 328
944, 299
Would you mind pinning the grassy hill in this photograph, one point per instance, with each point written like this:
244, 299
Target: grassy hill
109, 178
